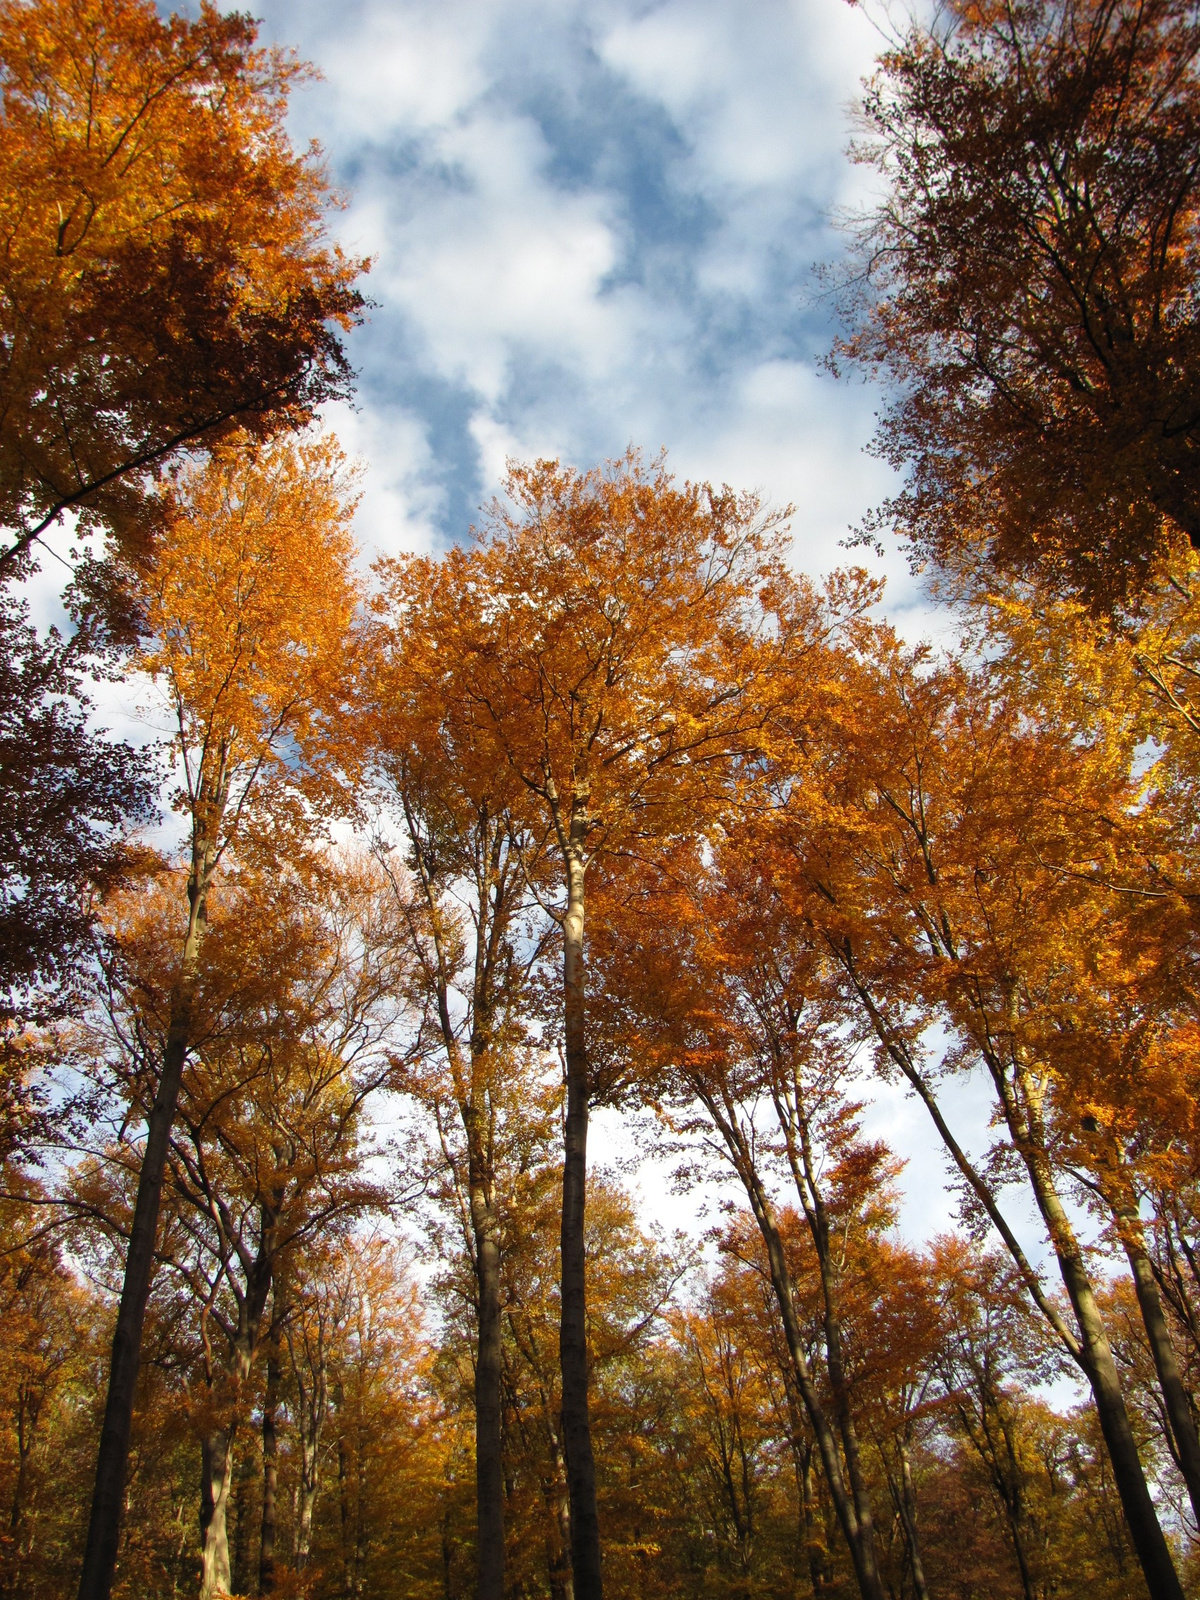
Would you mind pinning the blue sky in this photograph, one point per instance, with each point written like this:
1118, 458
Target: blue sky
593, 224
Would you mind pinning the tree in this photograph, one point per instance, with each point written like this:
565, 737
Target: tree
724, 998
165, 272
984, 884
606, 641
47, 1320
66, 795
1028, 282
475, 937
248, 604
297, 1023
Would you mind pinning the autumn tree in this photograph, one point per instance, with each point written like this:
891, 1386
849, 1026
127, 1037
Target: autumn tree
723, 996
1028, 284
975, 940
67, 794
166, 273
297, 1023
376, 1530
604, 640
248, 603
48, 1318
476, 938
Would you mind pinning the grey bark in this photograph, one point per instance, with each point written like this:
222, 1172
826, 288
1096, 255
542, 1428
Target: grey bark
112, 1459
572, 1341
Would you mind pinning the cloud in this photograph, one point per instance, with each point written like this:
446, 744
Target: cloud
592, 224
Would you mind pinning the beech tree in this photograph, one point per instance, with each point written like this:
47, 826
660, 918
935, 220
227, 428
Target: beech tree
605, 640
726, 1006
248, 602
1028, 284
297, 1023
166, 274
991, 837
477, 939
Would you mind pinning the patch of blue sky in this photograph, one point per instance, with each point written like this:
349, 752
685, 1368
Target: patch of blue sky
593, 224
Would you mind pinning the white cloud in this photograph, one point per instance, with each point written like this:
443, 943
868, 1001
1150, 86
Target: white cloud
498, 263
399, 501
511, 281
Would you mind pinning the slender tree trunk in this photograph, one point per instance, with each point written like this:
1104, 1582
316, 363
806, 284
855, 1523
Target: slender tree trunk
489, 1465
241, 1523
104, 1526
312, 1421
112, 1458
572, 1342
558, 1545
270, 1473
216, 1477
472, 1087
839, 1384
19, 1545
1166, 1364
811, 1535
908, 1515
1153, 1552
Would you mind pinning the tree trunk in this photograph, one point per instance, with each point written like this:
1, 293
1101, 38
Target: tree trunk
818, 1222
241, 1523
558, 1544
489, 1465
908, 1515
270, 1457
1166, 1364
811, 1535
311, 1421
572, 1343
112, 1457
472, 1088
216, 1477
104, 1525
1100, 1368
20, 1540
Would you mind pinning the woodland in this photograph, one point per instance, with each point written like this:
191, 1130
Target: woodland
307, 1287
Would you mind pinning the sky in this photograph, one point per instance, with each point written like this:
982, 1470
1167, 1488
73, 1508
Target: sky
593, 224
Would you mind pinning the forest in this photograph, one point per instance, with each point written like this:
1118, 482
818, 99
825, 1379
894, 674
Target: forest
309, 1284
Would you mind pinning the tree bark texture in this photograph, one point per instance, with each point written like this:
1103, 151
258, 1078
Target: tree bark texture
270, 1470
572, 1342
104, 1525
489, 1464
216, 1480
